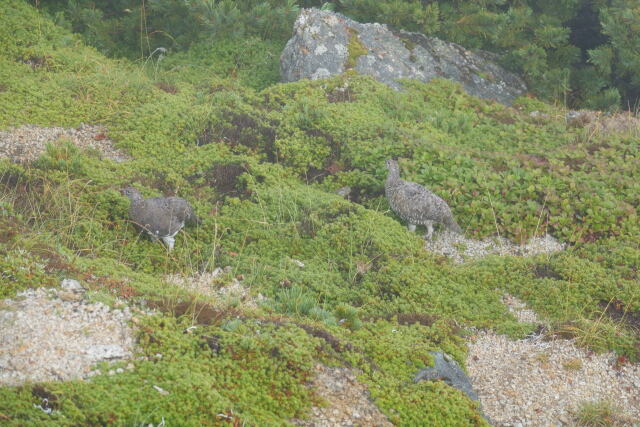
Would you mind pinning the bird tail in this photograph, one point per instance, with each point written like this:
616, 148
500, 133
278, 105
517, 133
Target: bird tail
195, 220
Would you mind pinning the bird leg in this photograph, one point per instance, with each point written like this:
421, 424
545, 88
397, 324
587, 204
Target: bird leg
412, 228
169, 241
429, 225
154, 237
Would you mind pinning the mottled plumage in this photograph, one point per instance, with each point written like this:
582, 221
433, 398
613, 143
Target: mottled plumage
161, 217
415, 204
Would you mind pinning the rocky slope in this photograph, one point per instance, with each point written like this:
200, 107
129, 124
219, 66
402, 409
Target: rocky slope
286, 286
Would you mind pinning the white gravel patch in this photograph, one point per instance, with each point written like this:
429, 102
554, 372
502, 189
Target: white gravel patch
538, 383
520, 310
51, 335
461, 249
224, 289
26, 143
346, 401
533, 382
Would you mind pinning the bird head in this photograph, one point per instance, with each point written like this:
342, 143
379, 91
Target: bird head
392, 166
132, 193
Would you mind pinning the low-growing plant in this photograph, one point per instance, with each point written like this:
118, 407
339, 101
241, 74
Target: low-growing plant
572, 365
348, 316
600, 413
260, 162
296, 301
19, 270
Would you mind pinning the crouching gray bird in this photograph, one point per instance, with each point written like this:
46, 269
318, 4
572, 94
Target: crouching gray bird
161, 217
415, 204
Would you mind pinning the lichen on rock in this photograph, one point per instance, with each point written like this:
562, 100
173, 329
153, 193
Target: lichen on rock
327, 43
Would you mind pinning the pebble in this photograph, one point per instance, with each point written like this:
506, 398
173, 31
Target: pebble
72, 285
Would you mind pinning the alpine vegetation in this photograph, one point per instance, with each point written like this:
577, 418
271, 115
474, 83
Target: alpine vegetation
161, 217
415, 204
296, 279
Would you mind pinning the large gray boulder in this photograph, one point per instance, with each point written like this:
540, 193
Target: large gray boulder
326, 43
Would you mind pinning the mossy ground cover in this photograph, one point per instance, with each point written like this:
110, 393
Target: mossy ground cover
345, 282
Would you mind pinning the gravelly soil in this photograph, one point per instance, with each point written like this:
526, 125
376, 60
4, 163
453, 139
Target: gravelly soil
461, 249
26, 143
520, 310
56, 335
226, 290
347, 401
534, 382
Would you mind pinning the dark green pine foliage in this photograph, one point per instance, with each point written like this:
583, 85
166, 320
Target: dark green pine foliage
581, 53
210, 124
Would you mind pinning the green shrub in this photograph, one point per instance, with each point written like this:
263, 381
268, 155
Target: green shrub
19, 270
260, 163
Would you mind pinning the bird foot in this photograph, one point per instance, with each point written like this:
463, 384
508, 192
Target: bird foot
169, 241
429, 234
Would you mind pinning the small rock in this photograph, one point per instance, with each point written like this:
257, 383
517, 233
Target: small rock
161, 390
72, 285
448, 370
107, 351
580, 118
344, 192
44, 408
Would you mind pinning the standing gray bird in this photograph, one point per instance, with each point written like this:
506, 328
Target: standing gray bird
161, 217
415, 204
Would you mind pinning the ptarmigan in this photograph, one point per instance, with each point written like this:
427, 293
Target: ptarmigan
415, 204
161, 217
